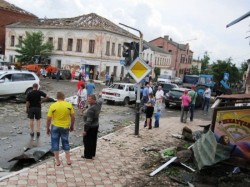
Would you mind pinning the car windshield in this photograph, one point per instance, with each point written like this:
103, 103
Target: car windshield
176, 93
191, 79
164, 76
118, 86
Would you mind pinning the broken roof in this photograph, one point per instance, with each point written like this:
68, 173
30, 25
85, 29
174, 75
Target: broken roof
90, 21
7, 6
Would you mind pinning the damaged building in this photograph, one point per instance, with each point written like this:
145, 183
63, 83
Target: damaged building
88, 42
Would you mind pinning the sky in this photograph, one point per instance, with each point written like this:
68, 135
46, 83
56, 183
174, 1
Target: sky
201, 23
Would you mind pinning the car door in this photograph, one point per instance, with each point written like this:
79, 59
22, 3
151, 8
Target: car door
5, 86
17, 86
132, 94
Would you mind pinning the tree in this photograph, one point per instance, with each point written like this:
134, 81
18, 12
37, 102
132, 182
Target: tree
205, 63
157, 72
243, 68
222, 66
194, 70
33, 46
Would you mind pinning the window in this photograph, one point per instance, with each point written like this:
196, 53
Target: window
91, 46
12, 41
113, 49
50, 40
70, 44
119, 49
60, 44
20, 40
108, 48
79, 45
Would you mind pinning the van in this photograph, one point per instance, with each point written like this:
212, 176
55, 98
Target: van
164, 79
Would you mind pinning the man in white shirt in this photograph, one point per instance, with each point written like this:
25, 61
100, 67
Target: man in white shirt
159, 95
206, 99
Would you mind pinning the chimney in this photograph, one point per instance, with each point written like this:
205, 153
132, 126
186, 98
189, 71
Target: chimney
166, 37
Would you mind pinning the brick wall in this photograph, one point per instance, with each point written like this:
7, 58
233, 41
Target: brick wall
8, 17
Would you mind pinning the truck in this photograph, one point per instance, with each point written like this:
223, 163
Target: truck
203, 80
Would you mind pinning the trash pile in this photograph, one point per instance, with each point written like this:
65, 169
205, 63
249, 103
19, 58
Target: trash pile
205, 162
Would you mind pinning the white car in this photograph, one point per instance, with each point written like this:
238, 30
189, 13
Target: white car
164, 79
15, 82
120, 92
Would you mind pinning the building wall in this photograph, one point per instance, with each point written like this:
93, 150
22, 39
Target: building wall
9, 17
98, 61
177, 52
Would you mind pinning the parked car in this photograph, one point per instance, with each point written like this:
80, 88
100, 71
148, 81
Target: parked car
65, 74
172, 98
164, 79
166, 87
14, 82
119, 92
177, 80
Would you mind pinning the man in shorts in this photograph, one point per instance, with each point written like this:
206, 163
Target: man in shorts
60, 121
33, 108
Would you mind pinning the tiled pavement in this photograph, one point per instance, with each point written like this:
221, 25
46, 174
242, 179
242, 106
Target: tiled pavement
118, 160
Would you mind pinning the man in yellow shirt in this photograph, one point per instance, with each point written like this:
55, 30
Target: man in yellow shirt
61, 118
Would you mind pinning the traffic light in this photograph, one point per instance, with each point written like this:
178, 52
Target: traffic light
130, 52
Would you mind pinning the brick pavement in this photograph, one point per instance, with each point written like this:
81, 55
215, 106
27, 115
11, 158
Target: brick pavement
118, 160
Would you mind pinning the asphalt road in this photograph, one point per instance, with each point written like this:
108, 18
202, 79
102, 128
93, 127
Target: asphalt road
14, 125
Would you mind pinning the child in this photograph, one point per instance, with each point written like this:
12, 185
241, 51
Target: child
157, 118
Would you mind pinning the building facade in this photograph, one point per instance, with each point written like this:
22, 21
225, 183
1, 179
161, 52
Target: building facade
181, 54
10, 14
158, 58
89, 43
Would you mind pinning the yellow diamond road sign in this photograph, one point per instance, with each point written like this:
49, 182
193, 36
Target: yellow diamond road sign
139, 69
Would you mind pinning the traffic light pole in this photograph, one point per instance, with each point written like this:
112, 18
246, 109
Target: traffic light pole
137, 117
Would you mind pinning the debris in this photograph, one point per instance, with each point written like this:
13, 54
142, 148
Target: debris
191, 169
236, 170
163, 166
171, 151
208, 152
179, 136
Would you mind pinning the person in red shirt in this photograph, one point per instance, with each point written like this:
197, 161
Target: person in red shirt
79, 83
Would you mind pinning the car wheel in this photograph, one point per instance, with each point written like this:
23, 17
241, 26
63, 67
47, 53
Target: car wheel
28, 91
126, 101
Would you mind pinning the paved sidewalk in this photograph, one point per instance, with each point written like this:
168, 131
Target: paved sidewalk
118, 160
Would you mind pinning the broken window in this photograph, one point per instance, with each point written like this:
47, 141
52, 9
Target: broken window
91, 46
12, 41
79, 45
113, 49
119, 49
108, 48
70, 44
60, 44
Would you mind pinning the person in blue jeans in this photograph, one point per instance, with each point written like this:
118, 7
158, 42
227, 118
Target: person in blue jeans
157, 118
193, 95
206, 99
90, 87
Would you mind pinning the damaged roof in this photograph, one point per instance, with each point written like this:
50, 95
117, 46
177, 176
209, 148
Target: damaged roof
10, 7
90, 21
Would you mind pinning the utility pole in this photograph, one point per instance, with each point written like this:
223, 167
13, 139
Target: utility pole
137, 117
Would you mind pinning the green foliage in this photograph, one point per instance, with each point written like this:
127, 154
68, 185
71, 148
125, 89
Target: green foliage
222, 66
243, 68
205, 64
33, 44
194, 70
157, 72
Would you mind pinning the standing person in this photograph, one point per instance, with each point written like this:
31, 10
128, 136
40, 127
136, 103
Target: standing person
185, 101
33, 108
206, 99
82, 98
193, 95
60, 121
91, 73
159, 95
90, 87
145, 93
91, 126
107, 79
73, 74
111, 79
157, 118
121, 76
149, 110
58, 75
79, 83
97, 75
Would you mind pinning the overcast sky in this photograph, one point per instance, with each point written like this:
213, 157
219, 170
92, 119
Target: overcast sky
201, 23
